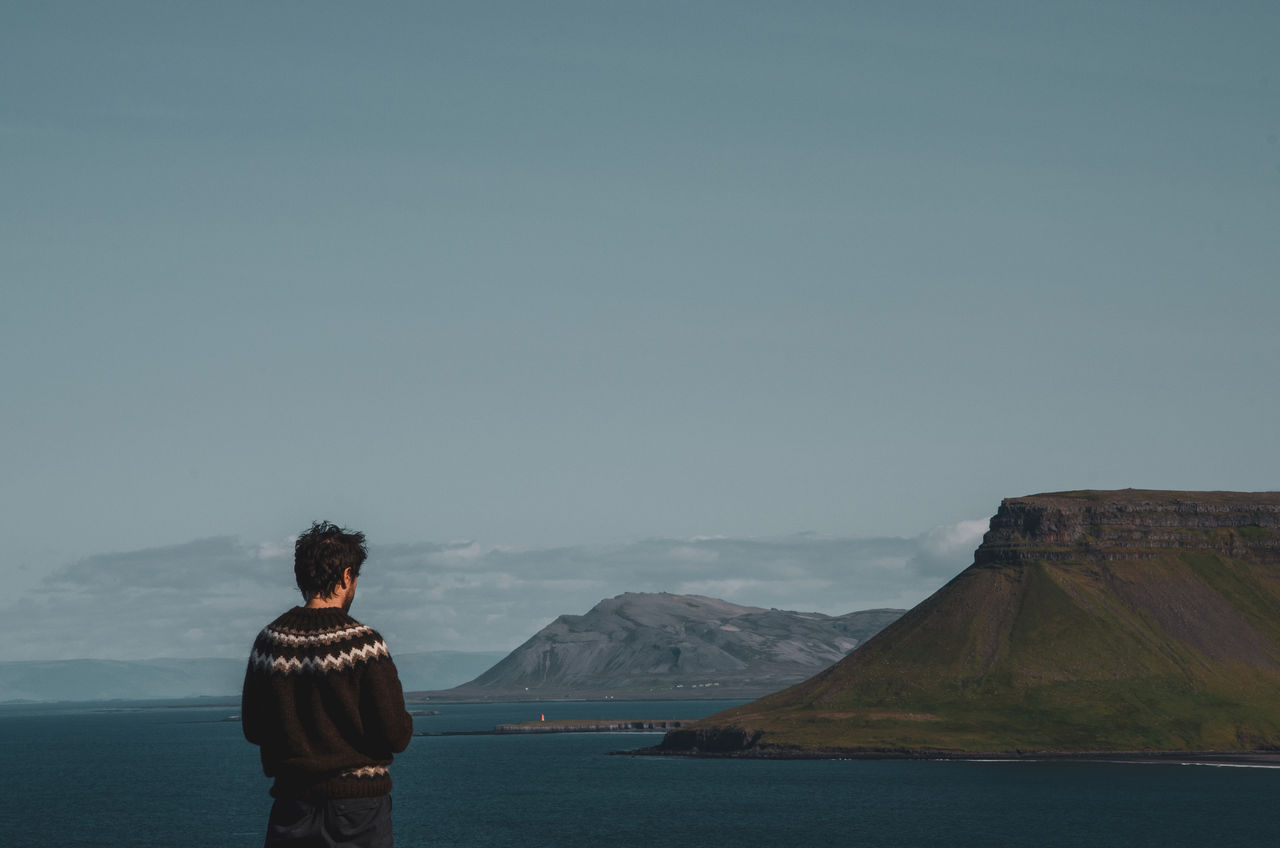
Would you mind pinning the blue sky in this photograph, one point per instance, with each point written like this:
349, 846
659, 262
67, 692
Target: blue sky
579, 275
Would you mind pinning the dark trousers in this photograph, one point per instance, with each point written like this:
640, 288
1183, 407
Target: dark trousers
338, 823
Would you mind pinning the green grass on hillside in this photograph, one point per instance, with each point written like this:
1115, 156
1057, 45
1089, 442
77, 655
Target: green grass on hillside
1179, 651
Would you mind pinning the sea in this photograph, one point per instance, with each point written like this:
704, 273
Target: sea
164, 773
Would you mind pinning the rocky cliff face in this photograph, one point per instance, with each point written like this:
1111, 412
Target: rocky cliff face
1090, 621
1130, 524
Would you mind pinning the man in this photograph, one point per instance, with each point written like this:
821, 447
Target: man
323, 702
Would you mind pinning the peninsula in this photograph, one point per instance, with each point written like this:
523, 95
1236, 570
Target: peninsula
1109, 623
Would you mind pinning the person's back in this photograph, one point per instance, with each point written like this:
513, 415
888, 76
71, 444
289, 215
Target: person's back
323, 702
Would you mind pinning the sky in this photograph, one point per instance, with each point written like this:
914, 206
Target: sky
773, 302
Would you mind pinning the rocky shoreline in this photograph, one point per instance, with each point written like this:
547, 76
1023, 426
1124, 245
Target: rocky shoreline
1268, 758
613, 725
622, 725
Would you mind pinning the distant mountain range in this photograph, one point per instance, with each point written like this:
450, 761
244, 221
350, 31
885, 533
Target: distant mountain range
1091, 621
631, 646
638, 645
105, 680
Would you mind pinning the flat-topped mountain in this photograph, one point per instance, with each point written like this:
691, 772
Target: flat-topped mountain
641, 643
1090, 621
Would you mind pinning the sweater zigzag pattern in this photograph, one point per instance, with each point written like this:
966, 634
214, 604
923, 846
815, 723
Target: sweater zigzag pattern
285, 652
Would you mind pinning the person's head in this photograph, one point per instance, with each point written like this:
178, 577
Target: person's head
326, 560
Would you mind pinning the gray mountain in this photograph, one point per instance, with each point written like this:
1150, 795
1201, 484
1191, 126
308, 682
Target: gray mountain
638, 644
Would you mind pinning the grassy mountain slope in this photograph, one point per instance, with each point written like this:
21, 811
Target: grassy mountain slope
1114, 623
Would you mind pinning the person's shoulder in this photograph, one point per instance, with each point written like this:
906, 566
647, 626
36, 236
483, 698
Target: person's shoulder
353, 629
368, 636
277, 625
368, 648
306, 628
285, 622
284, 618
321, 640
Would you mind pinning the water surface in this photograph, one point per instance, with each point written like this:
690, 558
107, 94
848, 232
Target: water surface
97, 775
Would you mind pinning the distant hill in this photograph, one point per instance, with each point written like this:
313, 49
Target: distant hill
427, 670
637, 644
106, 680
1089, 621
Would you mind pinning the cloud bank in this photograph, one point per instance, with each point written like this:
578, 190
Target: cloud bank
209, 597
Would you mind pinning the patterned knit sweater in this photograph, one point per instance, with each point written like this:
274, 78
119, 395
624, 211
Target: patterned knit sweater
323, 702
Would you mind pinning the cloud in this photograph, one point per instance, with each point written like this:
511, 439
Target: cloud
208, 597
942, 546
460, 552
276, 550
192, 599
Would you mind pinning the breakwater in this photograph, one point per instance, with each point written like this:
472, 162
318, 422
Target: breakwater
617, 725
613, 725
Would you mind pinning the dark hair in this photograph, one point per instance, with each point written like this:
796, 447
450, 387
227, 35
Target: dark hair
322, 554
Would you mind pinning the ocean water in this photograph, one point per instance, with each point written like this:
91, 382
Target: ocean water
164, 775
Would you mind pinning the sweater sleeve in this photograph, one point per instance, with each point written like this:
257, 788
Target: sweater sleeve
252, 717
382, 707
